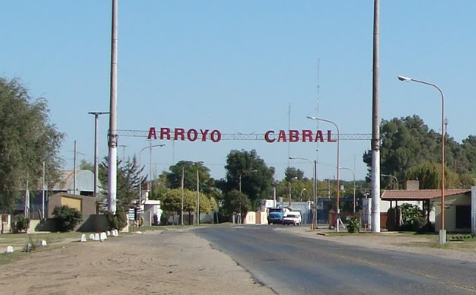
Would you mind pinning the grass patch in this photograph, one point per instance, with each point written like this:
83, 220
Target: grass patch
11, 257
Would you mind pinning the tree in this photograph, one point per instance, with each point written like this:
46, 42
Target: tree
405, 143
249, 170
429, 176
85, 165
174, 177
128, 179
293, 173
172, 200
469, 147
235, 202
27, 139
408, 145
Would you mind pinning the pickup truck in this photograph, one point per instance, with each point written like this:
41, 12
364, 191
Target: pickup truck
292, 218
276, 215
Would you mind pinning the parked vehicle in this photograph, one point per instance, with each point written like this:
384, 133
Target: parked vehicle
292, 218
276, 215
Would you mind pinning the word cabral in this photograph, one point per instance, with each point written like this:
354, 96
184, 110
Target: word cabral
182, 134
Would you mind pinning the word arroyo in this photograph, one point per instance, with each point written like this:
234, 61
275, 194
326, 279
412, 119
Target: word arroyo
298, 136
182, 134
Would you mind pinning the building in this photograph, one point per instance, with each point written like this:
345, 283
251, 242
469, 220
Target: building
460, 206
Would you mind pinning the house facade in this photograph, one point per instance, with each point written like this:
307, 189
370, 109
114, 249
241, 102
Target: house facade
459, 210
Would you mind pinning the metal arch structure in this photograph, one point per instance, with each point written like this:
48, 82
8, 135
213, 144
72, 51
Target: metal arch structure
241, 136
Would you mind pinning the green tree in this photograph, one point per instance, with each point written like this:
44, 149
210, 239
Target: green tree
469, 147
410, 149
235, 202
27, 139
85, 165
174, 177
405, 143
250, 171
172, 200
293, 173
128, 180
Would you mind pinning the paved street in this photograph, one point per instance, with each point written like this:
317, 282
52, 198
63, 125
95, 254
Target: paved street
292, 264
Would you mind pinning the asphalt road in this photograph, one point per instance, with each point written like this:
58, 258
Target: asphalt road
290, 264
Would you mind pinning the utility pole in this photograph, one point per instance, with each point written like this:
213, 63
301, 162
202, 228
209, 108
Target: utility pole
375, 144
74, 169
96, 168
181, 203
112, 136
43, 191
198, 198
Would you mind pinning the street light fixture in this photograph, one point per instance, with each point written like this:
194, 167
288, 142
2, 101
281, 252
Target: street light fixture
353, 173
442, 233
314, 187
140, 185
338, 220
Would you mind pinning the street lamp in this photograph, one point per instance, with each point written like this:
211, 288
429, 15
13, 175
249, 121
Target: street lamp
338, 220
140, 185
314, 187
302, 192
290, 191
442, 233
353, 173
392, 177
96, 120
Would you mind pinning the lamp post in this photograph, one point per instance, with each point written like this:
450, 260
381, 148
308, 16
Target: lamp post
96, 120
442, 233
290, 191
181, 203
392, 177
314, 187
337, 166
302, 192
123, 152
198, 198
140, 185
353, 173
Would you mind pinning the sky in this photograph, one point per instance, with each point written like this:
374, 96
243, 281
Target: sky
241, 67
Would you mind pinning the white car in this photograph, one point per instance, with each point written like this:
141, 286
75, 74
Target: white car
292, 218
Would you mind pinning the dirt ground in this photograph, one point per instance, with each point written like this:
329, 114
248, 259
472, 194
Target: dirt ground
179, 263
168, 262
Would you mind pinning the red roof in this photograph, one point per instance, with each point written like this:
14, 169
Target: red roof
418, 195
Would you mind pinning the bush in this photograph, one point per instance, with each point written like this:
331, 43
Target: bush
22, 224
66, 218
354, 224
424, 226
117, 221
